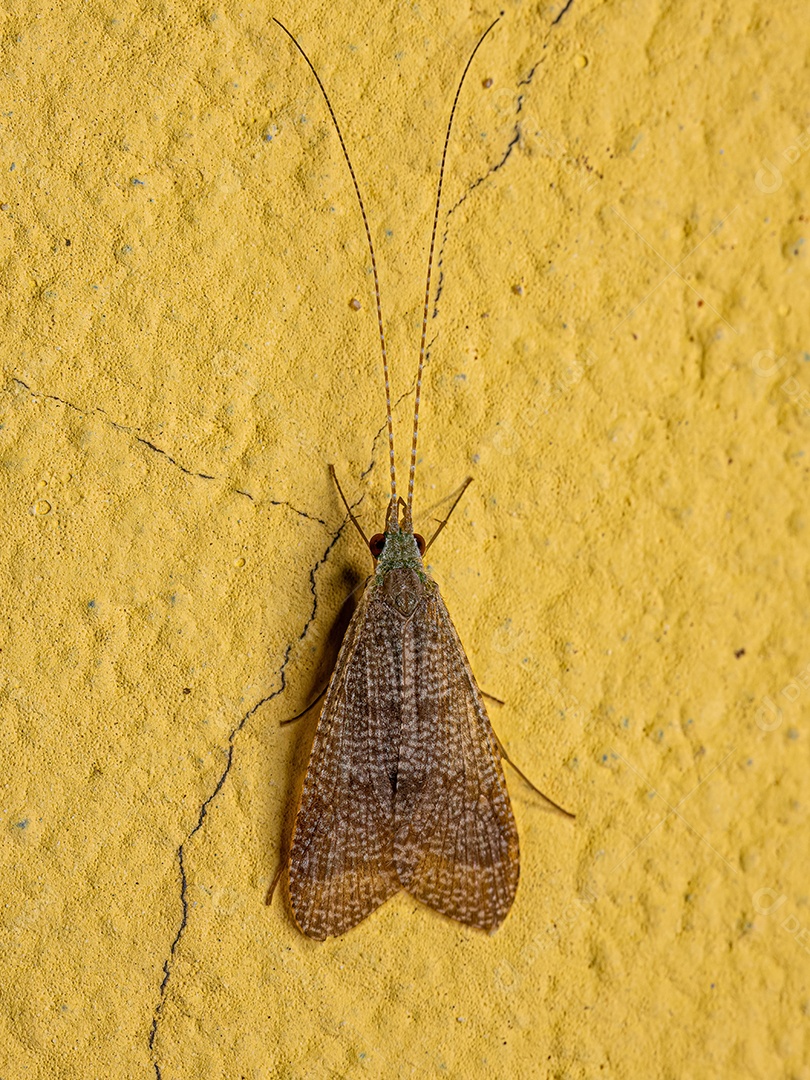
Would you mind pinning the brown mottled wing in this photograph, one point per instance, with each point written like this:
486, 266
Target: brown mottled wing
341, 861
455, 841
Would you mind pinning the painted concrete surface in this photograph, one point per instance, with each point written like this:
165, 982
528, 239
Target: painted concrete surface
620, 358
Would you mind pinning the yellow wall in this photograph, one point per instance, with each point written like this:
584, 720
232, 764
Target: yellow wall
621, 361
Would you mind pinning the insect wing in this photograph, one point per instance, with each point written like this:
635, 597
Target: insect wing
455, 838
341, 861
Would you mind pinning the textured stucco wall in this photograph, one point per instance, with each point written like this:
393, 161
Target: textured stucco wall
622, 362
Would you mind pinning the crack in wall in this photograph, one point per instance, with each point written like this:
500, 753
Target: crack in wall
476, 183
493, 169
383, 428
181, 856
133, 434
567, 6
295, 510
181, 851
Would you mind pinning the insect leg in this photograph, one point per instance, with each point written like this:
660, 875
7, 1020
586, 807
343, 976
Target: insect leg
312, 704
281, 868
534, 787
461, 491
355, 522
491, 697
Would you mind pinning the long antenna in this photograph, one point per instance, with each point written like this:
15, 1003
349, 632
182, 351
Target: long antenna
373, 260
412, 473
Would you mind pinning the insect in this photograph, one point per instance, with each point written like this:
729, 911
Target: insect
405, 788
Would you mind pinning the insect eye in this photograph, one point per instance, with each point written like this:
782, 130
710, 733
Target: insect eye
420, 543
376, 544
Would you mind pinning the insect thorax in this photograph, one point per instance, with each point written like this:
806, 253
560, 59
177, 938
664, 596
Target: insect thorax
403, 590
400, 552
401, 577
